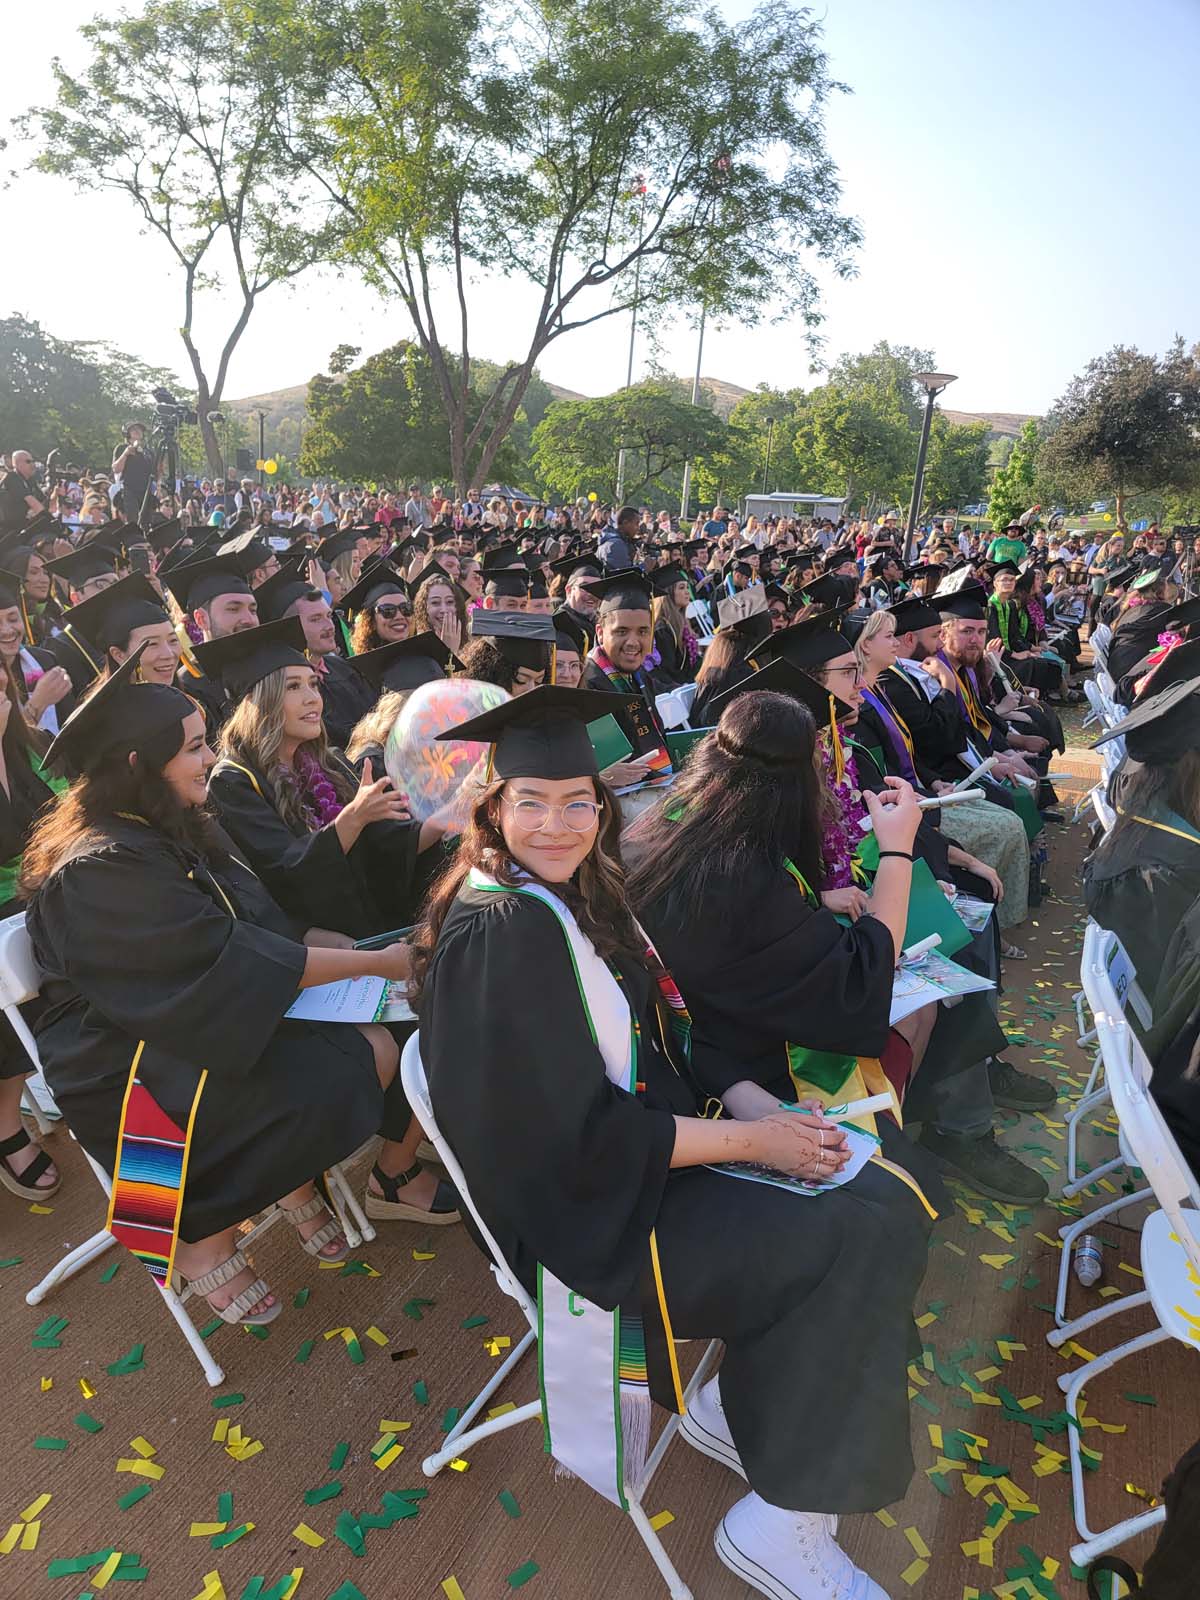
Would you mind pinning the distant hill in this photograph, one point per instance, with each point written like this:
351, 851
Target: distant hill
288, 405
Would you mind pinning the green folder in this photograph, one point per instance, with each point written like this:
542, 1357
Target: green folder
1025, 805
609, 743
681, 744
930, 912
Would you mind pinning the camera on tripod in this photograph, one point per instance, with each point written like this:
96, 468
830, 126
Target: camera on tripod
171, 413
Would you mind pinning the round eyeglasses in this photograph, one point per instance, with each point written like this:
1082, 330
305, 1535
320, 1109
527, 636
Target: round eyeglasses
533, 815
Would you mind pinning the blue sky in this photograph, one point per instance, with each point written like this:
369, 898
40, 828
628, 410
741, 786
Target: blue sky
1026, 174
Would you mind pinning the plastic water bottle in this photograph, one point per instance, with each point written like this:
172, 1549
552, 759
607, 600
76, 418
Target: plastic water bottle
1089, 1260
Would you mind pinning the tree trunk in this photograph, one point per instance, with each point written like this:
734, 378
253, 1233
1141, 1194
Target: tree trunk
212, 446
1120, 507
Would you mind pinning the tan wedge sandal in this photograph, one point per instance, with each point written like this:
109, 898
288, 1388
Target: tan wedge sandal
298, 1215
239, 1307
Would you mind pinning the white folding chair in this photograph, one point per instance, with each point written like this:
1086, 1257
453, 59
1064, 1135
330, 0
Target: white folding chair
20, 981
463, 1436
700, 617
675, 705
18, 984
1170, 1242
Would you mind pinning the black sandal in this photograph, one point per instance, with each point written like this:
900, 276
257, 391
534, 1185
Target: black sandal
25, 1184
388, 1207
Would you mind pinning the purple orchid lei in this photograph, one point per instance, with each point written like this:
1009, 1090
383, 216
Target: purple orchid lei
842, 835
317, 794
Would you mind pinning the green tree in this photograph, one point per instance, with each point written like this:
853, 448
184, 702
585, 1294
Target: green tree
1012, 492
736, 469
576, 444
956, 464
856, 441
578, 149
1128, 424
174, 112
886, 371
73, 396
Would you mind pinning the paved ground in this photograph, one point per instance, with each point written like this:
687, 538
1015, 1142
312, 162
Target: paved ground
991, 1275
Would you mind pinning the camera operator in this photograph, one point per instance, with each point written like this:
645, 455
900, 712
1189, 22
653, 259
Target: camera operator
20, 498
133, 466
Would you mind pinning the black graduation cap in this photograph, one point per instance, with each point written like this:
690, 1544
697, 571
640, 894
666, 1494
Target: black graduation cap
664, 579
14, 562
44, 526
912, 613
807, 644
997, 567
968, 602
837, 558
111, 616
1186, 614
501, 555
774, 592
196, 584
240, 660
543, 733
736, 565
251, 545
523, 637
744, 550
161, 536
568, 633
1165, 723
82, 565
1119, 576
404, 664
510, 582
629, 584
585, 566
121, 715
831, 591
1154, 573
380, 578
282, 589
435, 569
337, 544
782, 677
692, 547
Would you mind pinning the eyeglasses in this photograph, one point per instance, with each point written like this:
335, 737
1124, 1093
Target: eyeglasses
387, 612
855, 673
533, 815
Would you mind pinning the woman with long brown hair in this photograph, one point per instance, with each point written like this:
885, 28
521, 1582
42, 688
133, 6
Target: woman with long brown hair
576, 1125
677, 646
439, 606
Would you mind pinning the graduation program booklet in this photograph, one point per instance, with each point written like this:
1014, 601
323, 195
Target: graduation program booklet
350, 1000
932, 977
862, 1147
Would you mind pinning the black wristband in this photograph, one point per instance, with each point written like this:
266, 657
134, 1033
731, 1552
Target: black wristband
900, 855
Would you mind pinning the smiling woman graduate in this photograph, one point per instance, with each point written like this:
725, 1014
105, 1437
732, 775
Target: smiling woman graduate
577, 1124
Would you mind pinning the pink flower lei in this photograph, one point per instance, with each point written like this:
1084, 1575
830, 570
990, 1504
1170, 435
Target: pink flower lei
317, 794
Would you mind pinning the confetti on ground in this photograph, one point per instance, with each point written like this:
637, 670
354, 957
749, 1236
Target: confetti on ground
451, 1590
134, 1495
45, 1442
110, 1273
522, 1575
228, 1400
662, 1519
509, 1501
308, 1536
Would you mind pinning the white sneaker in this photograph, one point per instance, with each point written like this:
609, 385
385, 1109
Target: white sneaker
789, 1555
705, 1428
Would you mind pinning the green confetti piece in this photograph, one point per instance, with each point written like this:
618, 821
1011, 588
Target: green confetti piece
355, 1269
254, 1589
227, 1400
355, 1352
221, 1541
44, 1442
88, 1423
132, 1497
110, 1273
351, 1535
327, 1491
256, 1332
11, 1261
46, 1344
473, 1322
127, 1574
70, 1566
347, 1591
301, 1298
522, 1575
421, 1392
413, 1308
225, 1506
131, 1361
940, 1483
451, 1417
1141, 1399
209, 1328
305, 1350
338, 1459
509, 1501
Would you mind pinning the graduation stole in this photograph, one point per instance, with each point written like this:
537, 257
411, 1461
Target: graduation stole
645, 722
1003, 610
967, 693
598, 1370
896, 730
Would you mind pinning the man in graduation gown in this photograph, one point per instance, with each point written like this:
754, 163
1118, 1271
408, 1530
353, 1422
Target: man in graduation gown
582, 573
87, 572
213, 593
346, 694
624, 638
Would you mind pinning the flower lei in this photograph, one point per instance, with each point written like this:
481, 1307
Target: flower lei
691, 647
1166, 643
841, 835
317, 794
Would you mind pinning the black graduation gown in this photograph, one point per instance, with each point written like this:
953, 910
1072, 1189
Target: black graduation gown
588, 624
347, 696
716, 684
79, 658
674, 668
568, 1170
140, 952
936, 725
642, 727
374, 889
1134, 638
47, 660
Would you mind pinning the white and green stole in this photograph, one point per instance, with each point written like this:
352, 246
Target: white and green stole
596, 1404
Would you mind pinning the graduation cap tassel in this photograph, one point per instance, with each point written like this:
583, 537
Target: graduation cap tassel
835, 740
489, 772
25, 617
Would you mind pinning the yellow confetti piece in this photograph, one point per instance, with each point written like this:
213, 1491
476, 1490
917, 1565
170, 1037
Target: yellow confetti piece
107, 1570
234, 1435
335, 1333
1030, 1401
451, 1590
29, 1538
986, 1555
1014, 1495
996, 1262
500, 1411
886, 1518
205, 1530
1077, 1349
985, 1374
1007, 1346
384, 1461
35, 1508
213, 1588
308, 1536
459, 1465
424, 1255
86, 1389
376, 1336
914, 1538
348, 1336
924, 1321
1046, 1239
141, 1469
1050, 1567
914, 1572
41, 1211
1134, 1272
143, 1447
935, 1436
662, 1519
47, 1385
297, 1574
1108, 1291
957, 1248
11, 1539
220, 1431
403, 1427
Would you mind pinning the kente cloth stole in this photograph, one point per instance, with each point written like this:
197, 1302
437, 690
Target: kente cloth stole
149, 1175
598, 1370
644, 723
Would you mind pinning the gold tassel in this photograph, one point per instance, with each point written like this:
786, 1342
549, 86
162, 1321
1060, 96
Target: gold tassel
835, 740
25, 617
489, 771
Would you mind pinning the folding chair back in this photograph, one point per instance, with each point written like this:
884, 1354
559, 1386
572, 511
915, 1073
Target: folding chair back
701, 620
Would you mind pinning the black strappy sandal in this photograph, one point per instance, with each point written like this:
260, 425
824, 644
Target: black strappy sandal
388, 1207
25, 1184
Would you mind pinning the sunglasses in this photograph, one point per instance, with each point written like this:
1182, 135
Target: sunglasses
387, 612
